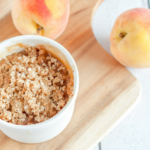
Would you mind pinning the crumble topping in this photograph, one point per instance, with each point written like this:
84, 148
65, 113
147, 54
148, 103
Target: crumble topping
34, 86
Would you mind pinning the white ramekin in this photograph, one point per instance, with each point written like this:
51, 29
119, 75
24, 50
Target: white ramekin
48, 129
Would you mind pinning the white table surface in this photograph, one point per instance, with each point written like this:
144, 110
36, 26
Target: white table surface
133, 133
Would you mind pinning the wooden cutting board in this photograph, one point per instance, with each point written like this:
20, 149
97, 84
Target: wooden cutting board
107, 89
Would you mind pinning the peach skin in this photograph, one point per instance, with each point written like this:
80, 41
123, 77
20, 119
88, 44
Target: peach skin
41, 17
130, 38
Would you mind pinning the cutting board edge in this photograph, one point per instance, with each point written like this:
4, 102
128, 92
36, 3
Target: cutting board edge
137, 83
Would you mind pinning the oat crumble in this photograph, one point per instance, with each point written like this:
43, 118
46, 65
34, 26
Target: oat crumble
34, 86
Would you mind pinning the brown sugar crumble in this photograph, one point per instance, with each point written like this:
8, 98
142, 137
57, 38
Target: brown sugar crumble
34, 86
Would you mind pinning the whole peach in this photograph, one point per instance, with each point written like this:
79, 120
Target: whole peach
130, 38
41, 17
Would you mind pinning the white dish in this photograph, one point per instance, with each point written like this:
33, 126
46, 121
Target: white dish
48, 129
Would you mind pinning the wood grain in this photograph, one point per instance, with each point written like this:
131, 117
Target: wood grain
107, 89
5, 6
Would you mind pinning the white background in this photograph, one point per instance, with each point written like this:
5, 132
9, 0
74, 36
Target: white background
133, 133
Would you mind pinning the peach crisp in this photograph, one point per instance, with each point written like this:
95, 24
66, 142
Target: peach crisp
34, 86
